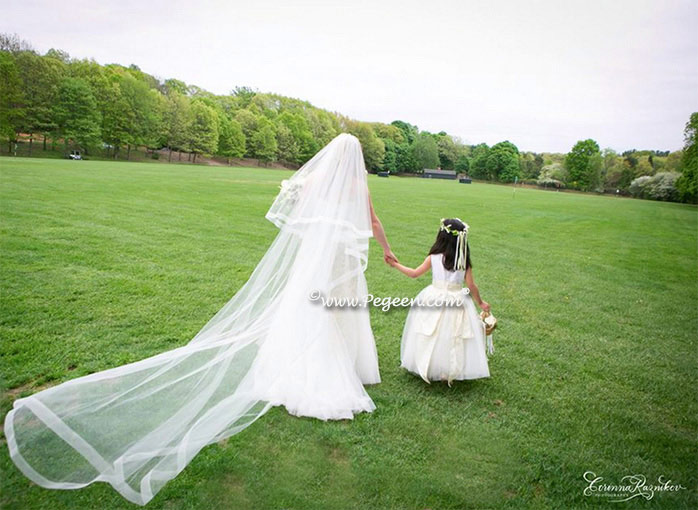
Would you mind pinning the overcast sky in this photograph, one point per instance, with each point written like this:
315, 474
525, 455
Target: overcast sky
542, 74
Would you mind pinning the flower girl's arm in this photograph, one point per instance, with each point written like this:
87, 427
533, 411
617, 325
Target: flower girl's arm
474, 291
413, 273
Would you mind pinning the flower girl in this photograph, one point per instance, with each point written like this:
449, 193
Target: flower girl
444, 337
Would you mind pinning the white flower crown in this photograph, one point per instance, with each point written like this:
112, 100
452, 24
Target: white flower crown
461, 242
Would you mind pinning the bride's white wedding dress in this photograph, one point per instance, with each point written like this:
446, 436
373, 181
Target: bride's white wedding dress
137, 426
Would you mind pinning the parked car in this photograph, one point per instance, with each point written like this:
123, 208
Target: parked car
74, 155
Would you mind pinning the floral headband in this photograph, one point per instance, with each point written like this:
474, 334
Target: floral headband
461, 242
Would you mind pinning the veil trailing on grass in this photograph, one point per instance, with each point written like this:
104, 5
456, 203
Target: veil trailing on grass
138, 425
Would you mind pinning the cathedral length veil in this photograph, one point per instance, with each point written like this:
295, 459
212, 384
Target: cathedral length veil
138, 425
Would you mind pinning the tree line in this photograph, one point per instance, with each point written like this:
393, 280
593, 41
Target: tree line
79, 103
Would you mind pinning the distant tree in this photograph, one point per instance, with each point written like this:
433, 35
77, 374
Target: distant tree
372, 146
41, 78
595, 173
581, 174
264, 143
303, 136
409, 132
13, 44
77, 118
687, 183
553, 174
287, 146
674, 161
388, 132
404, 158
11, 98
503, 162
143, 105
61, 55
171, 85
463, 164
231, 140
324, 125
117, 118
390, 157
448, 153
249, 123
204, 129
661, 186
425, 151
530, 165
245, 95
478, 161
177, 121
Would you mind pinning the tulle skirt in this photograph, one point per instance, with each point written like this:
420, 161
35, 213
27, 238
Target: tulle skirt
444, 343
338, 357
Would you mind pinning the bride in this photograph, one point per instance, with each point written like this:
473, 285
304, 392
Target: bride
138, 425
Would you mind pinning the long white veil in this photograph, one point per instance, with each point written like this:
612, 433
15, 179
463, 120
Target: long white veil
137, 426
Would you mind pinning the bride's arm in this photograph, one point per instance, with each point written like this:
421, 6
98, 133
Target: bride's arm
379, 233
413, 273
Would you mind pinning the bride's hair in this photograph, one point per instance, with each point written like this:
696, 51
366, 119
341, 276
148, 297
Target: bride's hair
446, 244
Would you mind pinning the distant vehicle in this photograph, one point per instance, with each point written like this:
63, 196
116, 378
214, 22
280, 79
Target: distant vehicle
74, 155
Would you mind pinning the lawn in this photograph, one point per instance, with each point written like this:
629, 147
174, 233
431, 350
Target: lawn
105, 263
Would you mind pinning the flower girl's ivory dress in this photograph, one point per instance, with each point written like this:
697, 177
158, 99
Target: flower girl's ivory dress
444, 343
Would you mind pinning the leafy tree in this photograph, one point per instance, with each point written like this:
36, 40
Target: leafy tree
388, 132
143, 105
41, 77
595, 173
408, 130
552, 175
674, 161
503, 162
172, 85
324, 125
11, 98
404, 159
687, 183
463, 164
117, 117
204, 129
231, 140
448, 153
245, 95
264, 143
530, 165
372, 146
287, 146
661, 186
478, 161
303, 137
177, 119
581, 174
249, 123
390, 157
425, 151
76, 115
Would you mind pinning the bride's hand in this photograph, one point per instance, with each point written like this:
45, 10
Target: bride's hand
389, 257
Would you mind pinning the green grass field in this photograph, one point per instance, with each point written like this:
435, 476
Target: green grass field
105, 263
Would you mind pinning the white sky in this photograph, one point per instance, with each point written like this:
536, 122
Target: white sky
540, 73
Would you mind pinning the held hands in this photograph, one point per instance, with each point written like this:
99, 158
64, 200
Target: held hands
390, 258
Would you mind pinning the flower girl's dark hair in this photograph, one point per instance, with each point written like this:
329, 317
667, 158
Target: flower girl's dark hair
446, 244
